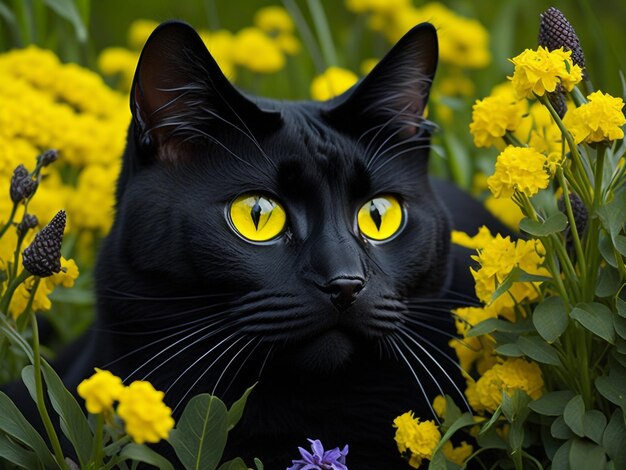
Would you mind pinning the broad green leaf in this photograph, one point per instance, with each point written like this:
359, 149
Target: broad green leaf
560, 430
235, 464
608, 283
614, 439
561, 457
553, 224
613, 389
437, 462
73, 420
259, 464
236, 410
516, 275
459, 160
516, 435
621, 307
491, 440
552, 404
550, 444
453, 412
585, 455
605, 245
488, 426
200, 435
620, 244
573, 415
143, 453
538, 350
495, 324
18, 455
67, 9
550, 318
13, 423
620, 326
464, 421
509, 350
613, 215
594, 423
596, 318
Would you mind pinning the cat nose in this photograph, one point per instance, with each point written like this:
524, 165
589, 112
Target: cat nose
344, 290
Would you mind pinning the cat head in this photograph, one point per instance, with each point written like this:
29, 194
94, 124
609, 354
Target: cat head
312, 223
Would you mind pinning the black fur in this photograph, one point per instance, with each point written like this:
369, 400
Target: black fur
186, 303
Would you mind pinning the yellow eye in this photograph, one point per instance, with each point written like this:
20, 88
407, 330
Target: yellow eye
380, 218
257, 218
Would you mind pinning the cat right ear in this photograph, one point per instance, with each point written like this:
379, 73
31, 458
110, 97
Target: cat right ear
179, 94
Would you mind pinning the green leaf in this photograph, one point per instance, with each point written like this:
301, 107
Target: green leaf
605, 245
259, 464
553, 224
516, 275
459, 160
200, 436
596, 318
573, 415
613, 389
538, 350
614, 439
73, 420
490, 440
13, 423
453, 412
236, 410
143, 453
608, 282
620, 244
560, 430
594, 423
516, 435
67, 9
561, 457
465, 420
437, 461
550, 318
620, 326
18, 455
552, 404
495, 324
613, 215
235, 464
621, 307
509, 350
493, 420
585, 455
7, 14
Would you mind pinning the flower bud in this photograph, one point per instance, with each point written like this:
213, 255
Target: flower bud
581, 216
29, 221
557, 100
48, 157
22, 185
43, 256
556, 32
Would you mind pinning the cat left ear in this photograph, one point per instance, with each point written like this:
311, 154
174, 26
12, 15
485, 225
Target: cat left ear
179, 93
394, 95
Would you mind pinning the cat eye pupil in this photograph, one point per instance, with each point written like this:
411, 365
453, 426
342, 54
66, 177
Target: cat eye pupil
375, 214
380, 218
257, 218
255, 213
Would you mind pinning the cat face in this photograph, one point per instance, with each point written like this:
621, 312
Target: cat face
312, 222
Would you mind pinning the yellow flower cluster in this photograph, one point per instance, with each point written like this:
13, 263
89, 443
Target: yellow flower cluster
146, 418
47, 104
510, 375
463, 42
598, 120
496, 260
493, 116
333, 82
520, 169
418, 439
473, 351
540, 71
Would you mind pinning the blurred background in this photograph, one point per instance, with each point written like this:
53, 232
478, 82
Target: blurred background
66, 67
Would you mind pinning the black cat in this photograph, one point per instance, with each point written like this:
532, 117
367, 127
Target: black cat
297, 244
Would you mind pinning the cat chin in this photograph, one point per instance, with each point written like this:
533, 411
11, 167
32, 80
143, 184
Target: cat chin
327, 352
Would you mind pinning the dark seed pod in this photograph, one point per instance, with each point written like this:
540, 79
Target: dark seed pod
22, 185
29, 221
581, 216
557, 100
556, 32
43, 256
48, 157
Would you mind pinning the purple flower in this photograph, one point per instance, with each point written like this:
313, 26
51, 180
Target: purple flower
334, 459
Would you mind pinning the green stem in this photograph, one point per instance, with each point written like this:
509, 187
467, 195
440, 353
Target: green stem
97, 453
10, 221
306, 34
41, 404
597, 189
572, 223
510, 139
323, 32
8, 295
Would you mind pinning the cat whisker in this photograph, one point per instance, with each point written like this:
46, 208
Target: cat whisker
414, 374
445, 333
132, 296
219, 379
396, 155
405, 332
470, 298
245, 360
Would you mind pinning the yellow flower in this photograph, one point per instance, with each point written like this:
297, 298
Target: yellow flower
598, 120
221, 44
257, 52
146, 417
519, 168
378, 6
512, 374
540, 71
505, 210
457, 455
420, 439
333, 82
279, 27
119, 61
479, 240
139, 32
492, 117
100, 391
439, 405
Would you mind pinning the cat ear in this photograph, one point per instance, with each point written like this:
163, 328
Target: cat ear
179, 93
394, 95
